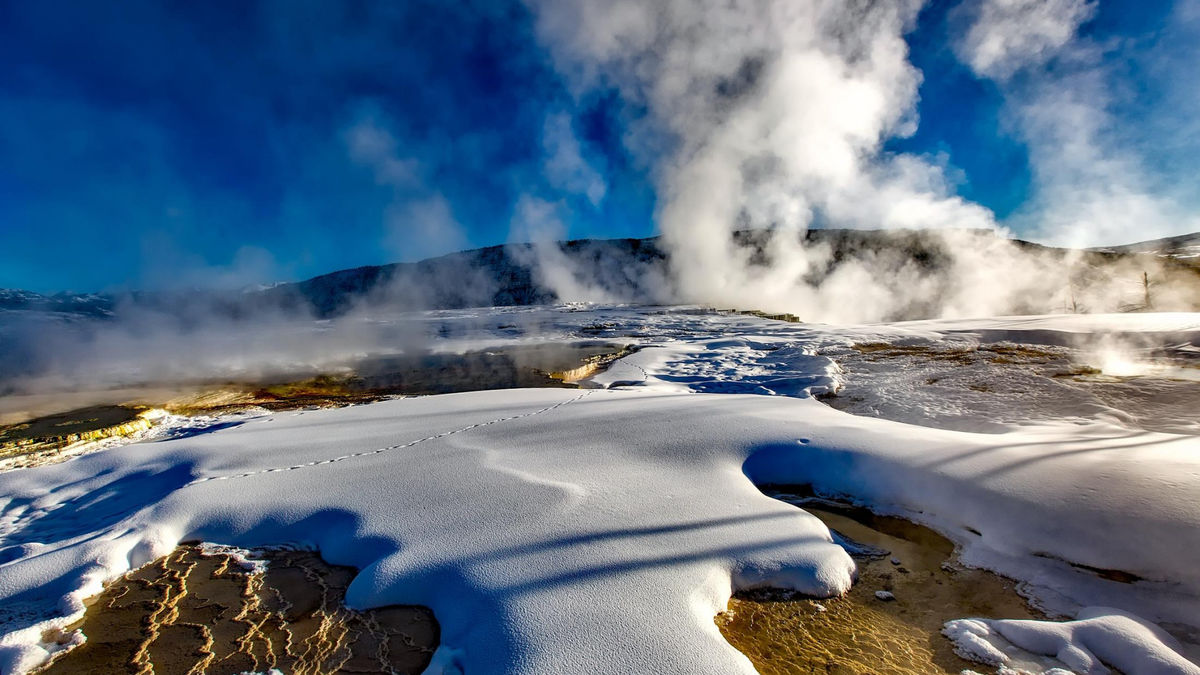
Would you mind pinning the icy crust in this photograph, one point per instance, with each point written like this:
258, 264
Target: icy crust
1099, 635
968, 375
744, 364
615, 522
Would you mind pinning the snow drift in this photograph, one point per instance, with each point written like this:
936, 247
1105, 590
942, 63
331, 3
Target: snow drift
558, 531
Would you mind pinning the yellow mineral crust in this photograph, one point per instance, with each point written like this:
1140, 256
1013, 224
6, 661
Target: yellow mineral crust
194, 612
860, 633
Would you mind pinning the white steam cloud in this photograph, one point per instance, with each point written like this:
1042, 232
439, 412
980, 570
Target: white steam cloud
565, 167
420, 221
1005, 36
777, 114
759, 119
537, 222
1092, 185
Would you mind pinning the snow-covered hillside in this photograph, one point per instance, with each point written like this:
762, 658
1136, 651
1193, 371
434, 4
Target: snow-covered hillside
601, 530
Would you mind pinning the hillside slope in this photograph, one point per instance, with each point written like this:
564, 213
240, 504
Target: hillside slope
607, 270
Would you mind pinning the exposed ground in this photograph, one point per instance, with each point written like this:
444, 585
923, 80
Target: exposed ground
782, 633
196, 612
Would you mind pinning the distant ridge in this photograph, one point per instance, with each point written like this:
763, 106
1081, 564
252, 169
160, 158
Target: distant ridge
623, 270
1181, 246
492, 276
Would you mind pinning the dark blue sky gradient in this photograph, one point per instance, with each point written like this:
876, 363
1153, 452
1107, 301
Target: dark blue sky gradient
175, 144
960, 117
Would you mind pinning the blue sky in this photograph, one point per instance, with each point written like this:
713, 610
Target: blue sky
176, 144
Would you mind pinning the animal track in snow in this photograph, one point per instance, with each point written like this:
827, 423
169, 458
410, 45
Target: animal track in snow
398, 446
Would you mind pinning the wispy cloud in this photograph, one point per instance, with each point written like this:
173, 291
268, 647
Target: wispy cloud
1004, 36
565, 166
418, 221
1063, 94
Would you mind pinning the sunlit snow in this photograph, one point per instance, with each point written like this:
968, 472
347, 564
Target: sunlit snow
600, 530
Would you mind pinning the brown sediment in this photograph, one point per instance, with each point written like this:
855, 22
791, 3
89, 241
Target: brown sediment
772, 316
193, 612
317, 391
1078, 371
71, 426
858, 632
507, 367
996, 352
1018, 353
1120, 576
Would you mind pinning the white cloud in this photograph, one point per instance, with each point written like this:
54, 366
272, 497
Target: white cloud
419, 222
371, 144
1007, 35
1092, 184
167, 265
776, 115
423, 227
565, 167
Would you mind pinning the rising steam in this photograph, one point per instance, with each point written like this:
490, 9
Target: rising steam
777, 114
767, 117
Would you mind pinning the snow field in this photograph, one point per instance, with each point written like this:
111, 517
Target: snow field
615, 522
601, 531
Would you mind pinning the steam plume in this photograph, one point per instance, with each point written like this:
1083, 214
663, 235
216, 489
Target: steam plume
777, 113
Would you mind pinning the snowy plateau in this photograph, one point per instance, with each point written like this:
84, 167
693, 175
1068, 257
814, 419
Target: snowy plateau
600, 529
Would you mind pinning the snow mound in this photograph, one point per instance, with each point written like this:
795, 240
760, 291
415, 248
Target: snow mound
527, 519
615, 522
1098, 636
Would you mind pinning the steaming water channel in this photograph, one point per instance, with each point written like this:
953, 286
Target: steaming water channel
123, 412
993, 387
